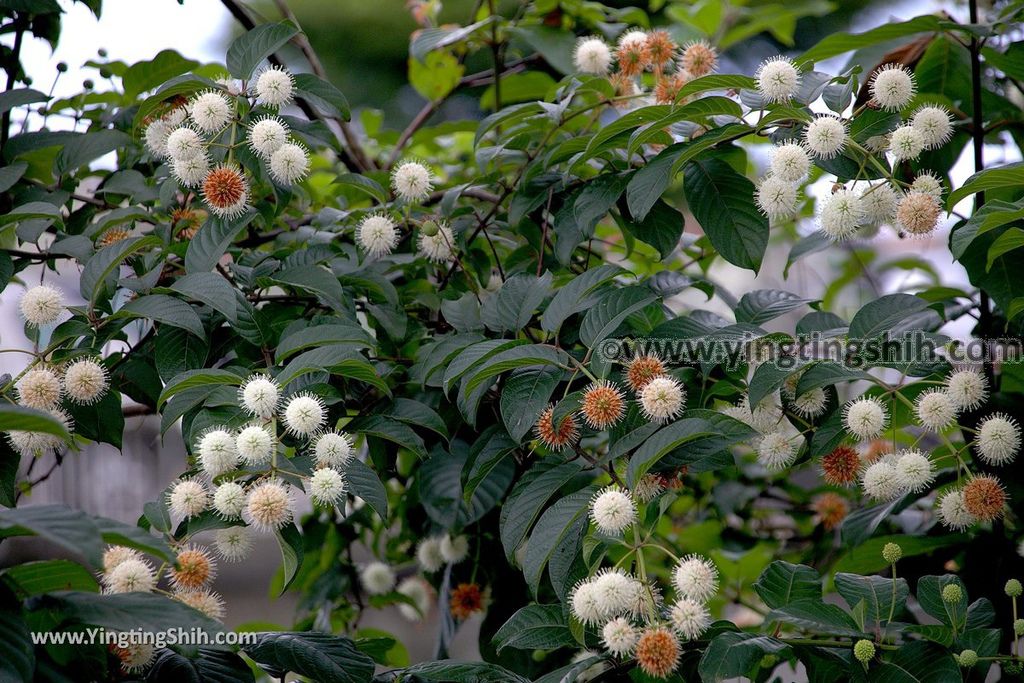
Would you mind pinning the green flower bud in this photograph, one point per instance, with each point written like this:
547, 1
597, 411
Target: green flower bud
88, 84
62, 66
1018, 627
102, 52
429, 228
952, 593
1013, 588
892, 553
968, 658
864, 651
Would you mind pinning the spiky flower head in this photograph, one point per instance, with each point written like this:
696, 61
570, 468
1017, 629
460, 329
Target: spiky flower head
831, 509
985, 498
689, 618
662, 399
592, 56
269, 506
619, 637
935, 410
377, 234
439, 246
229, 500
133, 575
304, 414
642, 370
914, 471
789, 162
918, 214
998, 439
811, 403
412, 181
585, 603
454, 549
696, 578
188, 498
37, 444
210, 111
826, 136
41, 305
332, 449
699, 58
466, 600
953, 512
905, 143
602, 405
205, 601
1013, 588
778, 79
134, 657
255, 445
952, 593
160, 128
928, 183
116, 554
275, 87
892, 552
428, 554
217, 451
841, 466
326, 486
289, 163
259, 395
865, 418
40, 388
648, 488
842, 212
776, 198
192, 171
556, 438
185, 143
660, 48
934, 124
892, 87
881, 481
421, 594
631, 53
226, 191
864, 651
967, 658
775, 451
194, 568
612, 510
267, 135
233, 544
879, 202
657, 651
377, 578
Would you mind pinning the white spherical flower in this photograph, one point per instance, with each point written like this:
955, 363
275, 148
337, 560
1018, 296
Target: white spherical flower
612, 510
880, 481
332, 449
765, 417
267, 135
662, 398
696, 578
811, 403
914, 471
893, 87
203, 600
648, 488
953, 511
229, 500
935, 410
865, 418
998, 439
377, 234
789, 162
134, 657
616, 592
777, 79
775, 451
210, 111
842, 212
633, 38
776, 198
927, 183
134, 575
41, 305
192, 171
304, 414
689, 618
40, 387
905, 143
185, 143
269, 506
412, 181
275, 87
377, 578
116, 554
188, 498
619, 637
585, 602
218, 452
232, 85
37, 444
879, 203
592, 56
934, 124
419, 591
255, 445
825, 136
968, 389
259, 396
454, 549
156, 137
326, 486
233, 544
439, 246
289, 164
428, 554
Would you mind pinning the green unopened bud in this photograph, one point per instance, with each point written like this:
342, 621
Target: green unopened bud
952, 593
102, 52
892, 552
429, 228
968, 658
88, 84
1013, 588
62, 66
1018, 627
864, 651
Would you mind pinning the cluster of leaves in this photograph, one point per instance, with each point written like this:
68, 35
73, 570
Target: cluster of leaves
568, 234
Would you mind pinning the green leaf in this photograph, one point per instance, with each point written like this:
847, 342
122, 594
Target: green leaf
877, 594
524, 397
440, 487
212, 240
597, 199
363, 184
32, 211
860, 524
488, 452
436, 75
815, 615
762, 305
516, 357
89, 147
209, 666
893, 313
384, 427
364, 482
559, 523
661, 228
534, 627
610, 312
322, 95
211, 289
994, 214
186, 84
929, 596
679, 433
249, 49
317, 280
1012, 238
146, 75
722, 201
338, 359
576, 296
918, 662
450, 671
198, 378
47, 576
104, 261
164, 309
429, 39
1008, 175
340, 332
17, 657
290, 541
734, 655
319, 656
524, 504
58, 524
11, 174
782, 583
512, 307
25, 419
838, 43
19, 97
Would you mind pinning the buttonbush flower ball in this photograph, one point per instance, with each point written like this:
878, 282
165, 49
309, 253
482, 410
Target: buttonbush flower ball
865, 418
613, 511
657, 652
332, 449
998, 439
185, 143
841, 466
229, 500
115, 555
377, 235
619, 637
906, 143
205, 601
777, 80
289, 164
918, 213
255, 445
592, 56
258, 396
210, 112
602, 405
776, 198
842, 212
935, 410
233, 544
881, 481
436, 242
831, 509
825, 136
617, 592
952, 511
428, 554
454, 549
412, 181
699, 59
661, 50
586, 604
914, 471
648, 488
642, 370
696, 578
267, 135
419, 591
159, 129
556, 439
192, 171
631, 54
188, 498
195, 568
811, 403
689, 618
40, 387
789, 162
226, 191
879, 203
304, 414
37, 444
934, 124
662, 399
269, 506
928, 184
326, 487
377, 578
218, 452
133, 575
985, 498
892, 87
41, 305
275, 87
775, 451
968, 389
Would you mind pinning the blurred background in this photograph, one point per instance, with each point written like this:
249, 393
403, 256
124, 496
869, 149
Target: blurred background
364, 48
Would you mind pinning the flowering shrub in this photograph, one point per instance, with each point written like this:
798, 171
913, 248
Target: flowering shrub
450, 370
